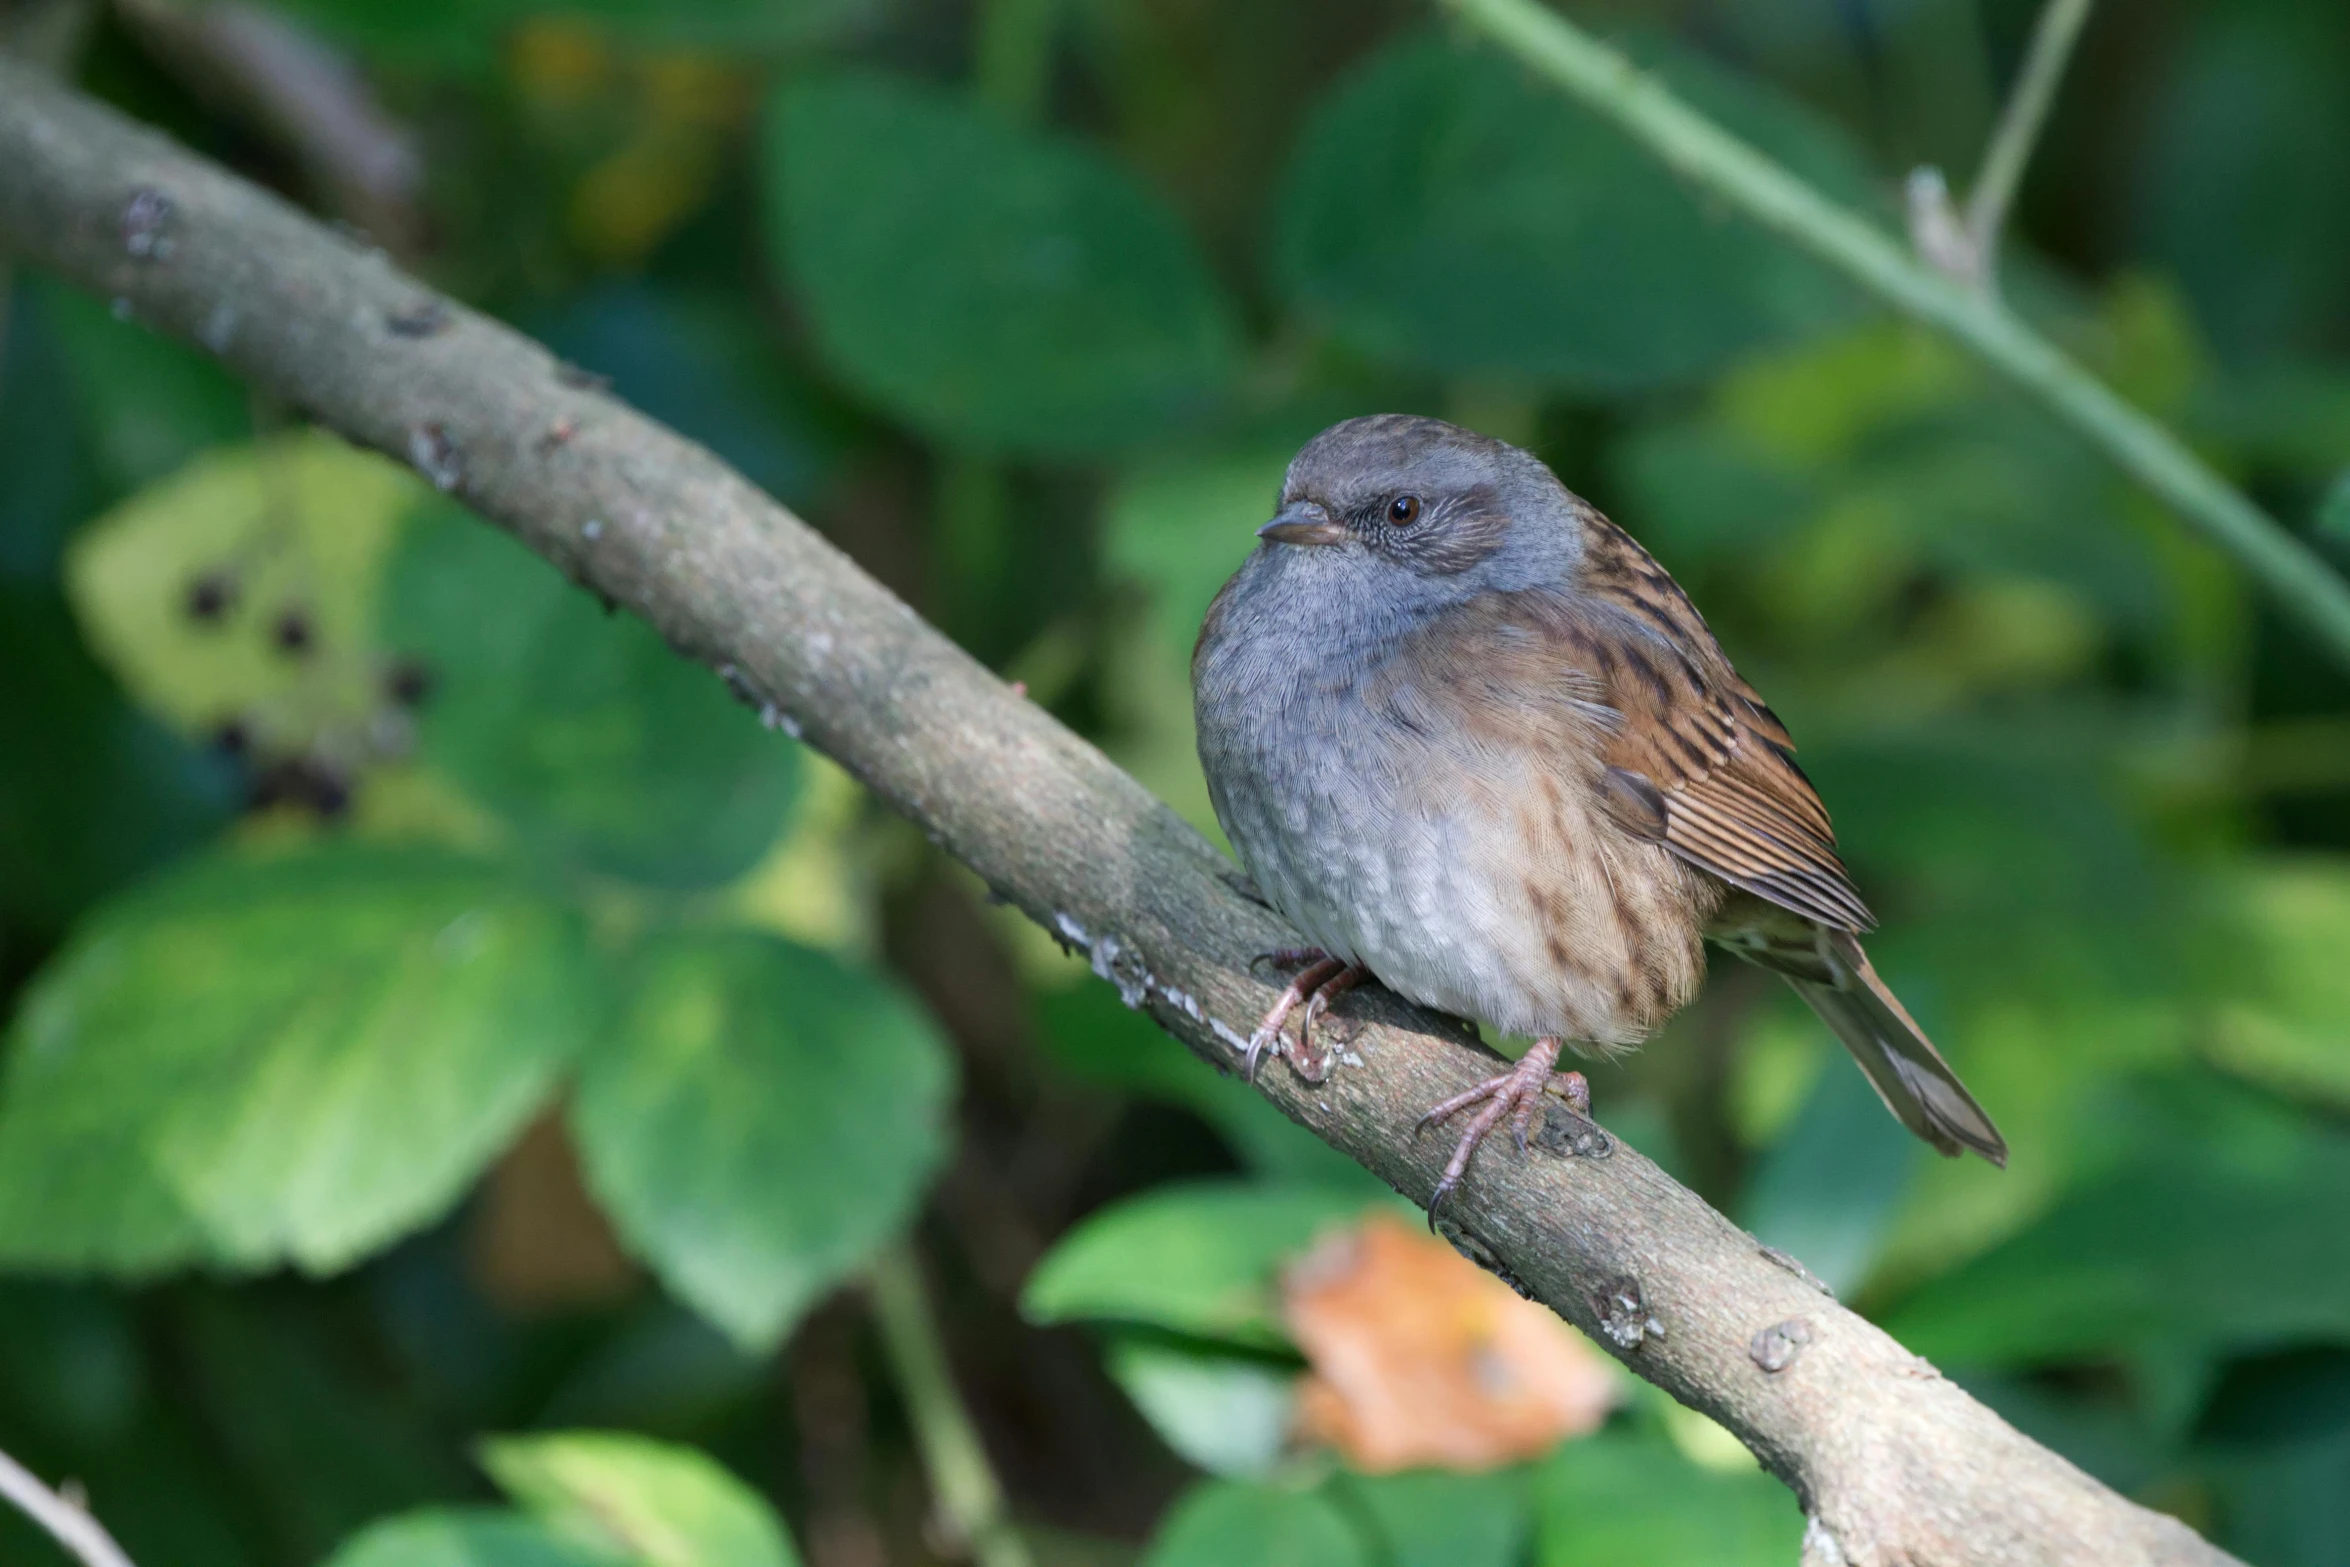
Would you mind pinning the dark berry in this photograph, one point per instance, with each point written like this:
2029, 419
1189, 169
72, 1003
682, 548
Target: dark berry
210, 597
408, 683
301, 781
292, 633
275, 784
230, 737
326, 791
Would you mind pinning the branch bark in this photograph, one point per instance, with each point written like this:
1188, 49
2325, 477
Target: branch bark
1895, 1465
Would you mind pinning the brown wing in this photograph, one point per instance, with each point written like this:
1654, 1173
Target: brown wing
1693, 735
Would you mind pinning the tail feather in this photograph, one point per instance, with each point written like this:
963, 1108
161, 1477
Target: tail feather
1908, 1073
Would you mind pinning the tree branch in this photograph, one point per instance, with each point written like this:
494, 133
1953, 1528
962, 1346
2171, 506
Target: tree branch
68, 1522
1895, 1464
1710, 158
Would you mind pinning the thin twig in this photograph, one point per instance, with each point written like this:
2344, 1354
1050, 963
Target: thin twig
71, 1526
970, 1499
1709, 157
2018, 131
266, 69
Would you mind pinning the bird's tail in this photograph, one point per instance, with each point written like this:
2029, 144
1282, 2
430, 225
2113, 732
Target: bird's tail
1910, 1075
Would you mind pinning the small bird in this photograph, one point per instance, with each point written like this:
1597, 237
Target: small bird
1474, 742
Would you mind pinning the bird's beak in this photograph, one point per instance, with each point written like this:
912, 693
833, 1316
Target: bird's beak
1303, 522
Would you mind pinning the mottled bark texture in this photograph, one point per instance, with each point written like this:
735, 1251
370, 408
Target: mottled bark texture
1894, 1464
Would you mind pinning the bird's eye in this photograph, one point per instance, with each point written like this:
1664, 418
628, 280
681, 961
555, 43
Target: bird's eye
1403, 511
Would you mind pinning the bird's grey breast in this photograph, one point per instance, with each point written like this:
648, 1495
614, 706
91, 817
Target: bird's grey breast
1286, 739
1363, 799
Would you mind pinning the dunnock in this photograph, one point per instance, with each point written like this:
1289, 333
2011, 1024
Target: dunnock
1475, 743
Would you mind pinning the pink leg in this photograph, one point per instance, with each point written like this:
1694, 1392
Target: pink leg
1310, 1066
1322, 980
1320, 968
1516, 1094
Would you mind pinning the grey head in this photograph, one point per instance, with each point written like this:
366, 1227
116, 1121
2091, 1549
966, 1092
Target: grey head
1421, 513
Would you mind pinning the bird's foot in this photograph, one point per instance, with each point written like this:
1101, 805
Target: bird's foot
1321, 979
1516, 1094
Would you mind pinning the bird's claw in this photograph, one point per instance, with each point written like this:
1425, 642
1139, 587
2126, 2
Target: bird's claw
1262, 1040
1321, 979
1516, 1094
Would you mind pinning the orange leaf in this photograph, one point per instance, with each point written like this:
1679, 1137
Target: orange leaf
1420, 1358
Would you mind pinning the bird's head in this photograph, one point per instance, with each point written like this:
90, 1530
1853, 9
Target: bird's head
1436, 511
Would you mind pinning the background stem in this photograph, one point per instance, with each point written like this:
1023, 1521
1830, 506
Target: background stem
968, 1495
69, 1525
2018, 131
1709, 157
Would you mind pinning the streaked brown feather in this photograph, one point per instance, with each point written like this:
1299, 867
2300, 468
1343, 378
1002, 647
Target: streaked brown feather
1625, 662
1736, 804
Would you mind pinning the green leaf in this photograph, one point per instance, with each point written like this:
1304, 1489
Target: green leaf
1198, 1259
1176, 527
2291, 1395
258, 1061
1448, 212
1228, 1414
2184, 1247
471, 1537
2286, 1029
2242, 162
1827, 1191
1225, 1523
1616, 1499
2284, 1507
1091, 1033
703, 363
301, 1419
584, 729
296, 523
1432, 1518
150, 404
995, 288
758, 1120
658, 1504
1180, 527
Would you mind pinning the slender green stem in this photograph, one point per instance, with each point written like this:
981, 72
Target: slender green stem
965, 1486
1709, 157
2012, 140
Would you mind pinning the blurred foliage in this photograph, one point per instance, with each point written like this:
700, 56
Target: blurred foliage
437, 1010
995, 290
1447, 212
